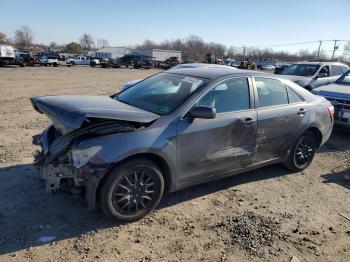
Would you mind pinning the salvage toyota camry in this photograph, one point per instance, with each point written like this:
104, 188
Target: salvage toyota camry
173, 130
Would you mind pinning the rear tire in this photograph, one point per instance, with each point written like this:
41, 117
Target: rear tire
132, 190
302, 153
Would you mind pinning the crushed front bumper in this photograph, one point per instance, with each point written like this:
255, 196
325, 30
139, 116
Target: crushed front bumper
60, 173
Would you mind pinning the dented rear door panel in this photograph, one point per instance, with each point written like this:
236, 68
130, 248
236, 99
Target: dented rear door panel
278, 128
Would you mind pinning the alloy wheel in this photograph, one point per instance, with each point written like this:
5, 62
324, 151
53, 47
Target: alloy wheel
135, 192
304, 151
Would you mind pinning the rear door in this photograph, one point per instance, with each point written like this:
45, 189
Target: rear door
282, 115
208, 147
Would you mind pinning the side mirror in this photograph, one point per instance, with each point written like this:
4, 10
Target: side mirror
205, 112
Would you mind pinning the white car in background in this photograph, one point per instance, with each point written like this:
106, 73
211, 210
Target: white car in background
7, 55
48, 60
268, 67
78, 60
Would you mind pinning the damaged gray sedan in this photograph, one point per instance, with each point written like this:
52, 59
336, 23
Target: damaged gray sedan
176, 129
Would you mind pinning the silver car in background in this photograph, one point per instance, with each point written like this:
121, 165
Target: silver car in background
314, 74
338, 94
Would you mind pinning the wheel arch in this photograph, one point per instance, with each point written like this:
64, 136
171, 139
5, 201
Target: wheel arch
318, 134
156, 159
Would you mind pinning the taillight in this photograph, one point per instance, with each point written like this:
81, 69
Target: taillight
331, 112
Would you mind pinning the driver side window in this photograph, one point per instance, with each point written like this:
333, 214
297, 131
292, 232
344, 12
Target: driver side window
228, 96
325, 70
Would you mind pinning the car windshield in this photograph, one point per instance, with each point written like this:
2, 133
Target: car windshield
161, 93
301, 70
344, 79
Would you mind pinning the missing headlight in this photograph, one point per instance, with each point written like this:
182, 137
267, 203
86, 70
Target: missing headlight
81, 156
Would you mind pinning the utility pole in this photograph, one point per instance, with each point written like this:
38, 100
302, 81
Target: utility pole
334, 48
243, 53
319, 50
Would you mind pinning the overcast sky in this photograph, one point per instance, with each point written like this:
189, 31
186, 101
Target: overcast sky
233, 23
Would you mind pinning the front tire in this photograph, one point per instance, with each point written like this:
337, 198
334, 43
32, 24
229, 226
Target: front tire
132, 190
302, 153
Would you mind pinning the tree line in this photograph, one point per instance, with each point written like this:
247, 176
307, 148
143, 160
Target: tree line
192, 48
23, 40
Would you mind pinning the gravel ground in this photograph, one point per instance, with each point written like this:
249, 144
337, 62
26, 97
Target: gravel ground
266, 215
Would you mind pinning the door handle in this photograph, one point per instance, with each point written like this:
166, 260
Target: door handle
249, 121
302, 111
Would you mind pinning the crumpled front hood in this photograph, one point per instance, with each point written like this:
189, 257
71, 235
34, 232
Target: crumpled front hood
333, 90
300, 80
69, 112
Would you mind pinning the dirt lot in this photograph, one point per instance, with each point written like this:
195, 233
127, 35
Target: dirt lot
266, 215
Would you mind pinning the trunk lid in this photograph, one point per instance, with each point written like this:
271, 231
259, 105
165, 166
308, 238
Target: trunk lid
70, 112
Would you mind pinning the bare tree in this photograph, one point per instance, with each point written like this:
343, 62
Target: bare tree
101, 43
2, 38
53, 46
148, 44
194, 48
87, 43
24, 38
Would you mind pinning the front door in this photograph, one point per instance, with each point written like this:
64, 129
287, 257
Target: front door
208, 147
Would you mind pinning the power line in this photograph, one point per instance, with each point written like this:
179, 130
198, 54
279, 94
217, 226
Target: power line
294, 43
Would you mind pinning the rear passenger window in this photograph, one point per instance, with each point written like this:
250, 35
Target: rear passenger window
271, 92
293, 97
336, 70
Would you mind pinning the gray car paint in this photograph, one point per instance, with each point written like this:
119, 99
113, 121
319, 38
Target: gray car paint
69, 112
198, 150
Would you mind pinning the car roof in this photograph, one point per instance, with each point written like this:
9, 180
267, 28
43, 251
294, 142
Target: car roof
319, 63
216, 72
195, 65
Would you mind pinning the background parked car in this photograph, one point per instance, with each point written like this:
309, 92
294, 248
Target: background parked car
25, 59
338, 93
78, 60
7, 55
280, 68
94, 61
268, 67
48, 60
313, 74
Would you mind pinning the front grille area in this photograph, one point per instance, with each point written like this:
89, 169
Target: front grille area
339, 103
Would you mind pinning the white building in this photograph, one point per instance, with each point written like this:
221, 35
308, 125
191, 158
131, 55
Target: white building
159, 54
112, 52
88, 53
